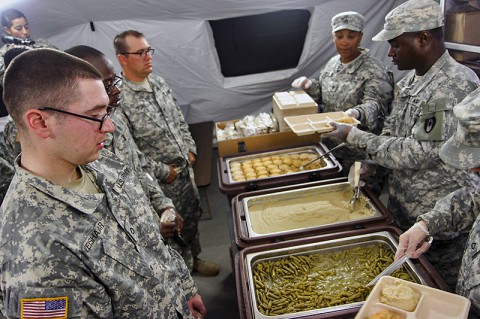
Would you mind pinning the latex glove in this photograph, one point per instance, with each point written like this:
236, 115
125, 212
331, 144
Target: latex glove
367, 169
168, 223
353, 113
412, 242
170, 215
302, 83
340, 131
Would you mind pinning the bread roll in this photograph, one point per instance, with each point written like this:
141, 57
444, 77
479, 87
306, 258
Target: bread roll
400, 295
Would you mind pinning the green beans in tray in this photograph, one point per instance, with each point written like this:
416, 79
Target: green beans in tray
312, 281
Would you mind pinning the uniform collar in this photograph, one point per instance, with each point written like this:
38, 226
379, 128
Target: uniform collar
86, 203
418, 86
137, 86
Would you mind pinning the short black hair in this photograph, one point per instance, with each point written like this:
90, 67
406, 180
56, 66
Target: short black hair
10, 14
12, 53
43, 77
84, 52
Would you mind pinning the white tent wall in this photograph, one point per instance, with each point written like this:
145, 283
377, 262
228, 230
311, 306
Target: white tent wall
185, 52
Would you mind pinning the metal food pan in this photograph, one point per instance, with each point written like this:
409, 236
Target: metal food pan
286, 198
334, 245
327, 161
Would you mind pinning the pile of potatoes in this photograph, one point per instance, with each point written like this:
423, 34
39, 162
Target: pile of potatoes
275, 165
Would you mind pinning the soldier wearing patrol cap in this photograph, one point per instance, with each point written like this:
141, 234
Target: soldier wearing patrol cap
463, 151
349, 20
457, 211
412, 16
352, 81
421, 121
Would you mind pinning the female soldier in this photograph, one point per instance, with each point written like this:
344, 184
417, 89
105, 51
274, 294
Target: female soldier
15, 24
352, 81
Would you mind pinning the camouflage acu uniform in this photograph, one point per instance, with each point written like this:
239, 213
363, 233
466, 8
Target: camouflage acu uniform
420, 122
161, 133
363, 84
6, 174
11, 146
39, 43
469, 276
113, 265
122, 144
6, 166
458, 210
455, 214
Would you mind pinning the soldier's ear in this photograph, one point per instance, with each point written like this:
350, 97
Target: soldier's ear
424, 38
37, 122
122, 59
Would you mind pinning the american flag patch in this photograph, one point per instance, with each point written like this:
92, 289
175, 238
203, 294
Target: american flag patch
44, 308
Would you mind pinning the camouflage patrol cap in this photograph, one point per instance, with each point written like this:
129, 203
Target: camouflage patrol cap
411, 16
349, 20
462, 150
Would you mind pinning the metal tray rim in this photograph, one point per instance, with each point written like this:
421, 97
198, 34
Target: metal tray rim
253, 234
316, 148
251, 256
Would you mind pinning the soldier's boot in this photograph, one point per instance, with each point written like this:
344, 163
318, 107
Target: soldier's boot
206, 268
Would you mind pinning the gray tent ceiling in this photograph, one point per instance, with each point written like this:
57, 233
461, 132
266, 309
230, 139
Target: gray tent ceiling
185, 50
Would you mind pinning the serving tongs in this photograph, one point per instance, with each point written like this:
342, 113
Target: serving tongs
356, 181
323, 155
390, 269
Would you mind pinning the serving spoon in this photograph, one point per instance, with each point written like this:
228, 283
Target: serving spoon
323, 155
356, 181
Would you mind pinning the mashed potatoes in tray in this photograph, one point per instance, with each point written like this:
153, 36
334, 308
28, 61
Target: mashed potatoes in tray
315, 209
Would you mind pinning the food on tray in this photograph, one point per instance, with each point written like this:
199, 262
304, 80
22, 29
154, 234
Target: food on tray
400, 295
386, 314
263, 123
346, 120
315, 209
319, 280
273, 165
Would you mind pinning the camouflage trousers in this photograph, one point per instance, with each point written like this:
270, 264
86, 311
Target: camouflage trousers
184, 195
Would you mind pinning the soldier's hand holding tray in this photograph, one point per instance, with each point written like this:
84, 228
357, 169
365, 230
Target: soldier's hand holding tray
340, 131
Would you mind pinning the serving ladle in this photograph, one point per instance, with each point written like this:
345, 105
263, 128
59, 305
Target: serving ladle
356, 181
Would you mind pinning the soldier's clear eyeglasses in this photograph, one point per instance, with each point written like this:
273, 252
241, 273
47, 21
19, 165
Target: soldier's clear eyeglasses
110, 111
142, 53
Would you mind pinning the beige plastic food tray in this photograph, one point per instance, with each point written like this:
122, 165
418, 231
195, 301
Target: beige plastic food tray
318, 122
433, 303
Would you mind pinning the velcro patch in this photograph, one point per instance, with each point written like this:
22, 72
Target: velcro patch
34, 308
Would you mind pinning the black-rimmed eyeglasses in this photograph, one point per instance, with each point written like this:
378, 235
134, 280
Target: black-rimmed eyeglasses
116, 82
143, 53
110, 111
